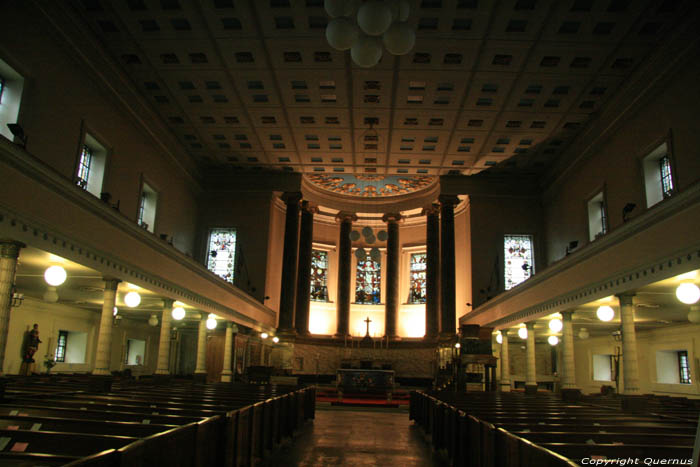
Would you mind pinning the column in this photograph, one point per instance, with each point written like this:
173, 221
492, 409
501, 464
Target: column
568, 370
505, 362
630, 368
104, 336
228, 343
344, 272
306, 236
164, 343
200, 371
432, 271
447, 263
530, 377
392, 275
289, 262
9, 253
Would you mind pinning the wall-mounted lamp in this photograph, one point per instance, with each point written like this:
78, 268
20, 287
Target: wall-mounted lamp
571, 246
629, 207
18, 132
16, 298
617, 335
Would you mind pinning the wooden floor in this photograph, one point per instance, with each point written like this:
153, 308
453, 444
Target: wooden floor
357, 437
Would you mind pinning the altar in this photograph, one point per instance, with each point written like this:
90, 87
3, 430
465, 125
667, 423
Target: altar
365, 381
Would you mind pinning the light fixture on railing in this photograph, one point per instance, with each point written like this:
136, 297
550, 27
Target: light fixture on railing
363, 28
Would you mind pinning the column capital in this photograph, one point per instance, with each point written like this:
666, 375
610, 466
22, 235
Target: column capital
431, 210
567, 315
111, 283
291, 197
10, 248
530, 326
448, 200
391, 217
626, 298
308, 206
345, 216
168, 303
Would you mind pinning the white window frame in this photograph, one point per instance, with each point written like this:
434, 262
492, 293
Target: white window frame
653, 187
11, 98
207, 239
597, 210
98, 164
147, 206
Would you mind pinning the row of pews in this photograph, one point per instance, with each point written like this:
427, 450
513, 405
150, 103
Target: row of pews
60, 422
509, 429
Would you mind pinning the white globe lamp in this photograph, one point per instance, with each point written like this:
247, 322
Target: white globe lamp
553, 340
341, 33
153, 321
399, 39
522, 332
583, 334
688, 293
211, 323
374, 17
178, 313
132, 299
605, 313
275, 339
264, 335
366, 51
555, 325
55, 275
499, 337
694, 314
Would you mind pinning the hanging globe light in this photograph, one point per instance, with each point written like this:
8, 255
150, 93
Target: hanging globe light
382, 235
371, 239
499, 337
553, 340
583, 334
367, 231
522, 333
264, 335
275, 339
375, 254
55, 275
366, 51
211, 323
178, 313
50, 296
341, 33
374, 17
361, 254
399, 39
354, 235
605, 313
153, 321
335, 8
132, 299
694, 314
555, 325
688, 293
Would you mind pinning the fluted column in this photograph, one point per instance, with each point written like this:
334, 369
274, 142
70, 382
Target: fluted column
344, 272
104, 336
164, 343
447, 264
505, 362
432, 271
531, 373
201, 367
306, 236
630, 367
9, 253
391, 308
228, 343
289, 262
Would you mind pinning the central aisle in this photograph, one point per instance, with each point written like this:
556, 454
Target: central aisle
357, 437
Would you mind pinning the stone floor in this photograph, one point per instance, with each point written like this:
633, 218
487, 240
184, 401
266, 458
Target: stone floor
357, 437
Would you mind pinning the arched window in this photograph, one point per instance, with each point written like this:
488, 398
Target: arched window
417, 274
368, 282
518, 259
221, 254
319, 276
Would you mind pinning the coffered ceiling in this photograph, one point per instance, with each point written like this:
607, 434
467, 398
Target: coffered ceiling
244, 83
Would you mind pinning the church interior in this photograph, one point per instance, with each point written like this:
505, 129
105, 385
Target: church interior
470, 224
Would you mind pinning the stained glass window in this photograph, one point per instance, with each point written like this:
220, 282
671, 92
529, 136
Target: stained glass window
666, 179
518, 259
684, 367
221, 256
368, 282
417, 293
60, 355
84, 167
319, 276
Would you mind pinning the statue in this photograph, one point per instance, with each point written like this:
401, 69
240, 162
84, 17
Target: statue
32, 345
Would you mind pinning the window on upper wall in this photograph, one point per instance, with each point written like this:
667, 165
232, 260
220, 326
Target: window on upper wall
135, 352
221, 253
603, 367
90, 170
71, 347
368, 282
417, 274
597, 217
319, 276
684, 367
147, 207
518, 259
11, 86
60, 355
659, 178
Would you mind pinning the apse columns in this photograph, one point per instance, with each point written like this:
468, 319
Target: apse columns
306, 236
447, 264
9, 253
228, 344
344, 272
104, 336
568, 381
432, 271
289, 262
392, 275
505, 362
531, 374
164, 343
200, 371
